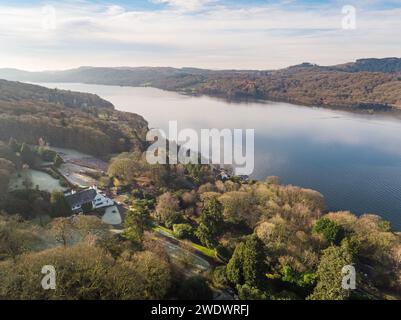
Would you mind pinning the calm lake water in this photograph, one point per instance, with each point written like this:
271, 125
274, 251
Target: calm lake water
354, 160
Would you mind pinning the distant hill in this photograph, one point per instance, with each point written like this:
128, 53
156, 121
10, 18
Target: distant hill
67, 119
367, 84
108, 76
159, 77
387, 65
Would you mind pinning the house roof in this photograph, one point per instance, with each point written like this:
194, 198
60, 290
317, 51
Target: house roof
81, 197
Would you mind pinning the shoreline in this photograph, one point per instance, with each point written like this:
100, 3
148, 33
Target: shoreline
357, 108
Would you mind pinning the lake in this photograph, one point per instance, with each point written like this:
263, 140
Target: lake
353, 159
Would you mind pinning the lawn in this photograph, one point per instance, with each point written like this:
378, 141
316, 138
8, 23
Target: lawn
206, 251
169, 233
165, 231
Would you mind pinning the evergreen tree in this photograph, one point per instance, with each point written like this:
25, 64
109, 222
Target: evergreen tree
27, 155
211, 223
329, 286
247, 265
137, 220
235, 273
254, 261
60, 206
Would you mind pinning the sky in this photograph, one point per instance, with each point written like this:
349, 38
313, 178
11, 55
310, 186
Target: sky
214, 34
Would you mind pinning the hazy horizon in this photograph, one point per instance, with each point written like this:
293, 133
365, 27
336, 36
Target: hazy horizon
185, 67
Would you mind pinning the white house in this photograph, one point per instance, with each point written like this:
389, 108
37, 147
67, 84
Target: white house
98, 200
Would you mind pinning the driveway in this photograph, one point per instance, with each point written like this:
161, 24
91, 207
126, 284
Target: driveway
112, 216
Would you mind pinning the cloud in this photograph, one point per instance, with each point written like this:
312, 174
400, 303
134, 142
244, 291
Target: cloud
115, 10
218, 36
187, 5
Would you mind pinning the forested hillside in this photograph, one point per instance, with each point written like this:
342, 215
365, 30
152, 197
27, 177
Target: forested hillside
309, 85
67, 119
20, 92
367, 84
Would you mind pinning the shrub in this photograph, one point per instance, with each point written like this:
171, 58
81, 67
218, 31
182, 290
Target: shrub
246, 292
183, 231
220, 277
175, 218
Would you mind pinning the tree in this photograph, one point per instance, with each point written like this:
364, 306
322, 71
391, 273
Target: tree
60, 206
183, 231
137, 220
127, 167
46, 154
156, 275
16, 237
211, 223
58, 161
235, 273
220, 277
86, 272
331, 231
87, 207
246, 292
195, 288
198, 173
247, 265
62, 230
167, 207
329, 273
254, 261
160, 174
28, 203
302, 283
273, 180
239, 207
134, 229
91, 225
27, 155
